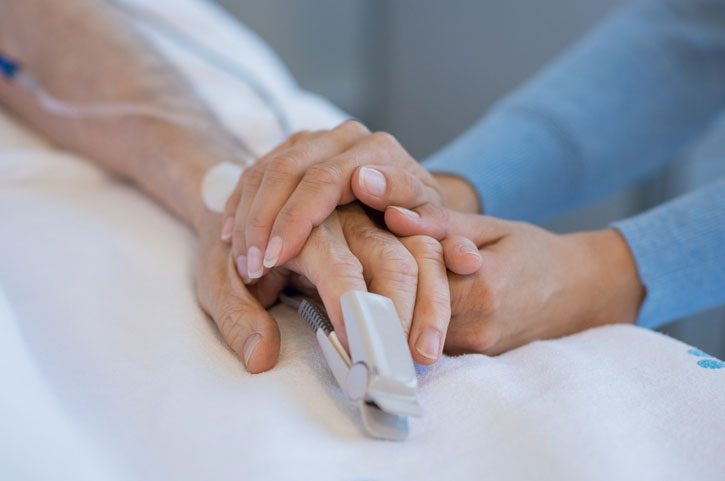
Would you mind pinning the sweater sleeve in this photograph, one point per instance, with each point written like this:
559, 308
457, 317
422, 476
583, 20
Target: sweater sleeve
612, 110
679, 248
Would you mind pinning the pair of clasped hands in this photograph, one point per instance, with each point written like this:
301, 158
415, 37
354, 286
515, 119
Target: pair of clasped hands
347, 209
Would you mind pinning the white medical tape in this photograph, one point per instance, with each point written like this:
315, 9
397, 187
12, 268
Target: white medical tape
219, 183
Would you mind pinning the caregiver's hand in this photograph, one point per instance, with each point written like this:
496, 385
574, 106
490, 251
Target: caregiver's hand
533, 284
294, 188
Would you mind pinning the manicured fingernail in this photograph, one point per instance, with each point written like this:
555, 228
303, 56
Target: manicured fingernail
242, 268
410, 213
254, 263
373, 181
429, 343
250, 345
271, 255
227, 229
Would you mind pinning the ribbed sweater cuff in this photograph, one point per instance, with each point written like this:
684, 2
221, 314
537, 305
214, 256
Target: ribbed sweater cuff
679, 248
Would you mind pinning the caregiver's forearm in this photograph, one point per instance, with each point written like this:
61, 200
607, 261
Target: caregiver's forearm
82, 50
613, 109
678, 248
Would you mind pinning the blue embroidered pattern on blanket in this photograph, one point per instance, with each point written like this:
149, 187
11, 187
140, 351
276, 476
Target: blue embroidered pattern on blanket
710, 363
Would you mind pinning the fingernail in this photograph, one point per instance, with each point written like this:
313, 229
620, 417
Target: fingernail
242, 268
250, 345
410, 213
227, 229
429, 343
469, 250
373, 181
271, 255
254, 263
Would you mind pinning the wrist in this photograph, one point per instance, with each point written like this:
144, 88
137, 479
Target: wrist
458, 193
171, 163
614, 291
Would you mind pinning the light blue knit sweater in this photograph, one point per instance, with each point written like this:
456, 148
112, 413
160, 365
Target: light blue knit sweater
618, 106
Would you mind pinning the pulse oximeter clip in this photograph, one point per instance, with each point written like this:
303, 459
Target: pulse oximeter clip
379, 374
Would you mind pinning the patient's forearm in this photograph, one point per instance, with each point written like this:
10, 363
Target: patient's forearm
83, 50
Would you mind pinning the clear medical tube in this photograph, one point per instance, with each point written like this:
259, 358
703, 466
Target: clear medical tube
91, 110
85, 110
12, 71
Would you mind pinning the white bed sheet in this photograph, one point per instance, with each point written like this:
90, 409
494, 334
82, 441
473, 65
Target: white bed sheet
110, 370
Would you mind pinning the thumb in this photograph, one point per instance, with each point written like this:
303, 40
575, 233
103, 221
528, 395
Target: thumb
380, 186
245, 325
441, 223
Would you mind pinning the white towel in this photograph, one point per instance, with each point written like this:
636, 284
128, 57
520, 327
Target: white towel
110, 370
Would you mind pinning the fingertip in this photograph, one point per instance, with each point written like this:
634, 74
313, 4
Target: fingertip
259, 353
362, 192
292, 240
401, 221
372, 181
423, 360
241, 264
255, 269
426, 219
428, 346
273, 251
260, 350
227, 227
461, 255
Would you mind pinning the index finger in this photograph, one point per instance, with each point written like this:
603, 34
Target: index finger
440, 223
327, 262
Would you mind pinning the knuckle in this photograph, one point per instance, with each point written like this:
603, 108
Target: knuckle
443, 215
298, 135
398, 263
284, 165
390, 257
256, 222
384, 139
346, 265
323, 175
425, 247
231, 328
252, 177
354, 126
289, 216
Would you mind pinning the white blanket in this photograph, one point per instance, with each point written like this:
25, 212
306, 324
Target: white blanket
109, 369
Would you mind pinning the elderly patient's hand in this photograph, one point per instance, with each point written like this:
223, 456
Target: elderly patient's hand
533, 284
296, 187
348, 251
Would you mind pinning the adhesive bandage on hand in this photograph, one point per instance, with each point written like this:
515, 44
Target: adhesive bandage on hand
218, 184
